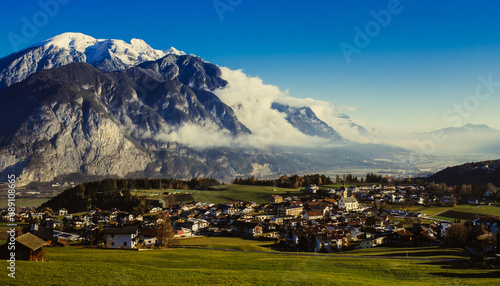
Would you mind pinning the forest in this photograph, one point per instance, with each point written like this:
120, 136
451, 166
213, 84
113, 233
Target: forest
115, 193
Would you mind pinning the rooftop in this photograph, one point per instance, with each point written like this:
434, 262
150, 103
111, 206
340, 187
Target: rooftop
31, 241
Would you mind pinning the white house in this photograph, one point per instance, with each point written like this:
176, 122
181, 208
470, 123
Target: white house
150, 241
121, 237
444, 227
369, 243
328, 243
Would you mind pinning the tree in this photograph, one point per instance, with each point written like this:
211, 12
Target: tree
164, 231
456, 235
303, 244
491, 189
96, 236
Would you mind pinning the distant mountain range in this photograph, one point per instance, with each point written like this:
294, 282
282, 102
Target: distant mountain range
81, 107
467, 139
468, 129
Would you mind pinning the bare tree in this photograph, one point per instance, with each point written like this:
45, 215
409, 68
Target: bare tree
164, 231
456, 235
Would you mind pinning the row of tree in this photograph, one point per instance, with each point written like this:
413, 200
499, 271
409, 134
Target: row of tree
296, 181
468, 234
464, 192
151, 183
293, 181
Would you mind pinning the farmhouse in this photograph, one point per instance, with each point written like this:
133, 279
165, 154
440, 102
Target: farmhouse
149, 238
121, 237
28, 247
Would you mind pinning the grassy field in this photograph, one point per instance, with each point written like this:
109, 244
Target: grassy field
438, 217
335, 186
240, 243
411, 252
494, 209
231, 193
461, 211
25, 203
70, 266
226, 193
145, 193
235, 243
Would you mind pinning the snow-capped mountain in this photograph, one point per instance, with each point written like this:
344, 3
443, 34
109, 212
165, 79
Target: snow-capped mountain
306, 121
106, 55
105, 107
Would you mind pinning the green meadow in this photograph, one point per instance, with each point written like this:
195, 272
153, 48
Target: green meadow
83, 266
22, 203
460, 211
227, 193
230, 193
234, 243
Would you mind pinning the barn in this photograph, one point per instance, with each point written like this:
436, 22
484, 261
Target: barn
28, 247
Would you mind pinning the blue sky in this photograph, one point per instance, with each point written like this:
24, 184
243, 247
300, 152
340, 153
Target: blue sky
419, 71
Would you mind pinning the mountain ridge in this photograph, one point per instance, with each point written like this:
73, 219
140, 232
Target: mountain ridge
176, 116
105, 54
479, 173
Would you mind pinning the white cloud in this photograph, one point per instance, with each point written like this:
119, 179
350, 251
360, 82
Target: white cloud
347, 108
198, 136
251, 100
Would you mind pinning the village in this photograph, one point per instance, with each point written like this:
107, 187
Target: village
322, 221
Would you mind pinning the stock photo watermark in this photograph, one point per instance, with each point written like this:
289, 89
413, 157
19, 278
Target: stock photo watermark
461, 111
363, 36
11, 209
32, 25
223, 6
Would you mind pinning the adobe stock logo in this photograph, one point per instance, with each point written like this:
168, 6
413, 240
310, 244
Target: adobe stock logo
31, 26
223, 6
461, 111
372, 29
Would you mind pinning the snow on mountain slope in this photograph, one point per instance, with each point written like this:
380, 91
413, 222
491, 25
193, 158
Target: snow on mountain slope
107, 55
251, 99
